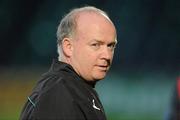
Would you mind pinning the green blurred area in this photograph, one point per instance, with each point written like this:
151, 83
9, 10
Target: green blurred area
130, 96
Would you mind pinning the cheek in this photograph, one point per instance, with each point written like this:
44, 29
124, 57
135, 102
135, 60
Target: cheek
84, 55
89, 58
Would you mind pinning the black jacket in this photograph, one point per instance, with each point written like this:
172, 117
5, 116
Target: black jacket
62, 94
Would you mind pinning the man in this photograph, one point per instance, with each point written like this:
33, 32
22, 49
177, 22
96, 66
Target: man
86, 40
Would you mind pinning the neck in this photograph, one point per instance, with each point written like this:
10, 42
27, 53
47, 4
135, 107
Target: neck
91, 83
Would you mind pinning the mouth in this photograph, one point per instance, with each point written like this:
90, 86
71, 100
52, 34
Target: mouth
103, 67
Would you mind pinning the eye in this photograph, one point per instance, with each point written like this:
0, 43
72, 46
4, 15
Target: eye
112, 46
95, 45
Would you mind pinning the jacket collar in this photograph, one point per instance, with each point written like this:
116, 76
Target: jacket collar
58, 66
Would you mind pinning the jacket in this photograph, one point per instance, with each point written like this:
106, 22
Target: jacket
62, 94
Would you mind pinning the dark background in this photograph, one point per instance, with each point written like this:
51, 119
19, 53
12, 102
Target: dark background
146, 62
148, 31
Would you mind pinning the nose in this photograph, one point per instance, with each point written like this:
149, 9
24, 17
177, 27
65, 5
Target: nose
106, 54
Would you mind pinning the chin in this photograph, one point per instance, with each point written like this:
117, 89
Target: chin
100, 77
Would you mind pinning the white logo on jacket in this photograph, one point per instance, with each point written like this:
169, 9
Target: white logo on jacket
94, 106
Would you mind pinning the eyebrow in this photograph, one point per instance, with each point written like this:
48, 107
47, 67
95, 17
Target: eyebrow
99, 41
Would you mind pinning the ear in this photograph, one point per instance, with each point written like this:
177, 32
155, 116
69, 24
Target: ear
67, 46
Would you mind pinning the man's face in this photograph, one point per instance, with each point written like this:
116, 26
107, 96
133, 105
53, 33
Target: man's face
93, 46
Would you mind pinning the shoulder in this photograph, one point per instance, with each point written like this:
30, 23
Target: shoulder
51, 84
51, 88
56, 101
48, 81
53, 94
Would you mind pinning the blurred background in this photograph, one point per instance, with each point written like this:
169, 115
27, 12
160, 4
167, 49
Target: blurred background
146, 62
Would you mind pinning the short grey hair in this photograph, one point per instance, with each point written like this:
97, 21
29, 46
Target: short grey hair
68, 24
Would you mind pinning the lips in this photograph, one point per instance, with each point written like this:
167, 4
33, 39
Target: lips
103, 67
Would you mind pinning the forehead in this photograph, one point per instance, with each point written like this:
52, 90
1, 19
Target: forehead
91, 17
96, 25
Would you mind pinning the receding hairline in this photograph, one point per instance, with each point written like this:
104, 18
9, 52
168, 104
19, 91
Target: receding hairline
72, 18
75, 13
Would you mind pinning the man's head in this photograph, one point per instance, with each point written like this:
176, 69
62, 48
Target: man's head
86, 40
